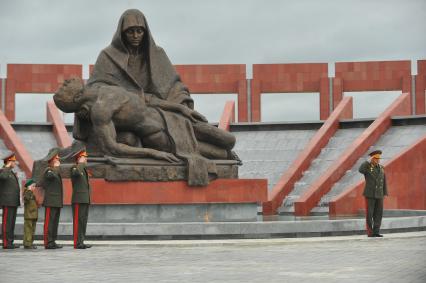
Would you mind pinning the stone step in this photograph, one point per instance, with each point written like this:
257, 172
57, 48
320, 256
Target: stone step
291, 228
334, 148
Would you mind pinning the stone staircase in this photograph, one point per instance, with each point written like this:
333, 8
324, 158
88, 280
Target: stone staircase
267, 154
36, 139
329, 154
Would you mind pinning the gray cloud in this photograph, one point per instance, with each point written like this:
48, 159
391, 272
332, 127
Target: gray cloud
218, 31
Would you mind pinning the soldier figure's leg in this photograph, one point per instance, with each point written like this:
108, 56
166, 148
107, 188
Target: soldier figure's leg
76, 222
51, 227
28, 230
377, 217
84, 218
56, 223
80, 212
369, 205
33, 230
3, 226
9, 226
82, 222
211, 134
212, 151
46, 226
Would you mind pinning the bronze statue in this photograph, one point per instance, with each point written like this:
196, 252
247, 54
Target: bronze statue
135, 106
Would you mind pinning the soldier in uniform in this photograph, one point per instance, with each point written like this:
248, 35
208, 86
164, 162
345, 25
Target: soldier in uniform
30, 214
9, 200
374, 192
53, 199
80, 199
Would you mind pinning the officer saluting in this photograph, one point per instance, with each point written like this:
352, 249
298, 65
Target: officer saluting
9, 199
374, 192
80, 198
53, 199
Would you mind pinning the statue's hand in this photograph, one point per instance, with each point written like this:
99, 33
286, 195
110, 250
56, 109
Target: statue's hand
165, 156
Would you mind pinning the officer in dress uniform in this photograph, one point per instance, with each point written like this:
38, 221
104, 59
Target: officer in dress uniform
9, 200
374, 192
53, 199
30, 214
80, 199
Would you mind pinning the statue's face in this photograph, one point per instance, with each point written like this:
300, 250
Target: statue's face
134, 36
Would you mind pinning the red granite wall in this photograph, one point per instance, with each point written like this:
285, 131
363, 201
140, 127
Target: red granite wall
217, 79
421, 87
371, 76
281, 78
35, 78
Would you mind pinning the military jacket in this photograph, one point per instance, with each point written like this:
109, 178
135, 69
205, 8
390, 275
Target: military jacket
80, 184
9, 188
52, 184
30, 205
375, 180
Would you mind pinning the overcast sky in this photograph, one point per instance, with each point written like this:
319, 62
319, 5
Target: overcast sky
219, 32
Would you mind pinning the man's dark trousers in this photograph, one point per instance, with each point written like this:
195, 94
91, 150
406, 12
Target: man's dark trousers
374, 215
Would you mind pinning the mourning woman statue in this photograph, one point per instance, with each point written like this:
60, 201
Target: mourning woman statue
134, 66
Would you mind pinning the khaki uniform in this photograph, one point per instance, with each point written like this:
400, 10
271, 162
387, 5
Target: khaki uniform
80, 202
374, 192
9, 202
30, 216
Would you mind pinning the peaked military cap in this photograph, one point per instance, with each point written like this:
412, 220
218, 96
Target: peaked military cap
52, 153
9, 155
71, 152
81, 153
375, 152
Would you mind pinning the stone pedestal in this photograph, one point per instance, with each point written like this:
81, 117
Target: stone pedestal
222, 200
121, 169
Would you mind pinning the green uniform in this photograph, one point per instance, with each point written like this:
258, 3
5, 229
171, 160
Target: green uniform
9, 201
30, 217
374, 192
80, 202
53, 202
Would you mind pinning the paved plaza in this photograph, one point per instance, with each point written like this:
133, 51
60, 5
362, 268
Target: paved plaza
395, 258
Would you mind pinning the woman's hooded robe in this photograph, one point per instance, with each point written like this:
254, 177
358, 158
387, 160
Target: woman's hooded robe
156, 76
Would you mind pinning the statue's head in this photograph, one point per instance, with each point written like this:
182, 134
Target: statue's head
133, 27
69, 96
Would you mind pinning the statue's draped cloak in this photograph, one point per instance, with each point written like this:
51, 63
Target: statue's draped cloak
156, 77
185, 146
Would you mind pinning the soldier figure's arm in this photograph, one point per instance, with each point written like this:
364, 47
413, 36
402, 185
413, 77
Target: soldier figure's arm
363, 169
3, 174
385, 186
28, 195
49, 174
74, 171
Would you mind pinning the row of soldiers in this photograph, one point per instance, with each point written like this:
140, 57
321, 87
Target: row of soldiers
51, 199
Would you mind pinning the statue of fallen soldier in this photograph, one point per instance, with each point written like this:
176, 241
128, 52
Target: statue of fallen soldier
159, 129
